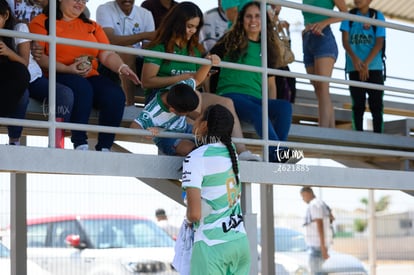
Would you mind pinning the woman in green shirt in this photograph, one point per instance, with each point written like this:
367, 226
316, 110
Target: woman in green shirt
242, 45
179, 34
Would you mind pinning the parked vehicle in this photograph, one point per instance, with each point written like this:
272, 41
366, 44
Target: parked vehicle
291, 257
5, 266
99, 245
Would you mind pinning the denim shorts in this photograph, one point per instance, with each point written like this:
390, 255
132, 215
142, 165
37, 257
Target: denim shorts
318, 46
167, 145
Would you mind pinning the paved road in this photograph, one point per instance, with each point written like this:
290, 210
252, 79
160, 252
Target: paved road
395, 269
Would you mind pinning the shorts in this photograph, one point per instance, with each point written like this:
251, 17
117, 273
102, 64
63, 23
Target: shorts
167, 145
318, 46
231, 257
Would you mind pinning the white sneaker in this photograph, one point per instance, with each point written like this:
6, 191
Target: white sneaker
249, 156
82, 147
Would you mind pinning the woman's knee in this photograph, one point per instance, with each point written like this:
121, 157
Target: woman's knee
117, 96
208, 99
24, 100
321, 87
226, 102
64, 95
80, 86
113, 99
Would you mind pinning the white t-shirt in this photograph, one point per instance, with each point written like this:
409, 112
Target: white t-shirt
317, 210
34, 68
215, 25
109, 15
24, 10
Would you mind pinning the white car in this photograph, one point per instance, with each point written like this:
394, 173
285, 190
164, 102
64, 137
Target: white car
100, 245
291, 257
5, 265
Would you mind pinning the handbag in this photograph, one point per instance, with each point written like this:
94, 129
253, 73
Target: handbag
283, 52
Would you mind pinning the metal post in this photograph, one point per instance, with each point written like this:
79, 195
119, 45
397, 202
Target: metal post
250, 222
372, 236
267, 229
18, 237
266, 191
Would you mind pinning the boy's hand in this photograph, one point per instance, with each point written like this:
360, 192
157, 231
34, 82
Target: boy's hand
155, 130
364, 73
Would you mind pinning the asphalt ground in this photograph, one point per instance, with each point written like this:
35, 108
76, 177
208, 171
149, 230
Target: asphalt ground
393, 268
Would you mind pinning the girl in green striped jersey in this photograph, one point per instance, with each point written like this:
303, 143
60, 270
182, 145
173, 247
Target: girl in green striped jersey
213, 189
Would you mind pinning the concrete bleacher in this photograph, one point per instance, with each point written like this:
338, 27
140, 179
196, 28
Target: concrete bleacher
303, 130
397, 135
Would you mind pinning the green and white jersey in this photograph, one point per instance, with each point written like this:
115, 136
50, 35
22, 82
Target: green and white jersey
209, 168
155, 114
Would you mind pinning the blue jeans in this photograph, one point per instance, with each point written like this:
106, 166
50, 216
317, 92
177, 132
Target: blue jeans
249, 109
64, 96
94, 92
318, 46
168, 145
20, 112
315, 261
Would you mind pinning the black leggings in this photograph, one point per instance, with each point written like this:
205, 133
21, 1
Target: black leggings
14, 79
375, 101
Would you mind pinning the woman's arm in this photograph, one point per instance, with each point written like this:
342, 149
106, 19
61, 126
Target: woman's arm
204, 70
43, 60
114, 62
318, 27
23, 50
272, 89
341, 5
231, 14
12, 55
193, 204
151, 80
128, 40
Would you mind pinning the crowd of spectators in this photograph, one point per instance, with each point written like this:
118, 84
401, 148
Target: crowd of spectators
223, 33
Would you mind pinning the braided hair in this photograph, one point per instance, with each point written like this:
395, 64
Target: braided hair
220, 123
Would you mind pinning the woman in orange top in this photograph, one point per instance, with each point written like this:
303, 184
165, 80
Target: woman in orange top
76, 67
